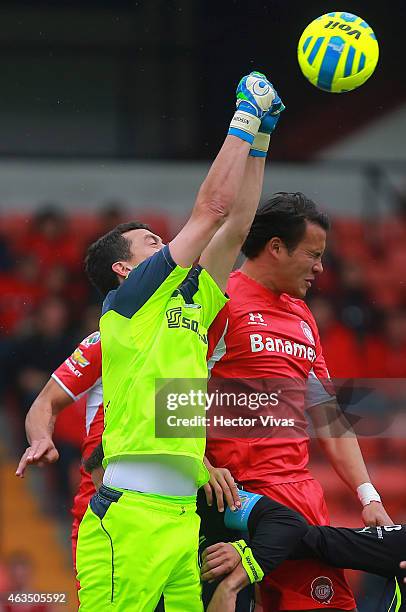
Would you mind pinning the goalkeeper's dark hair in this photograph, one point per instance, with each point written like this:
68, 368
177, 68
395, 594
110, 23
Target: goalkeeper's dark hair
108, 249
283, 216
95, 459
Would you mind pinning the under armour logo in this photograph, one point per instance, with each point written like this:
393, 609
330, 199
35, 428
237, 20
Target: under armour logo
256, 318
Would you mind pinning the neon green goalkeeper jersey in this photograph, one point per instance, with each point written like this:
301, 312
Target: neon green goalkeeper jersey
154, 328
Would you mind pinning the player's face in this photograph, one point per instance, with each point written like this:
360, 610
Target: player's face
143, 244
299, 268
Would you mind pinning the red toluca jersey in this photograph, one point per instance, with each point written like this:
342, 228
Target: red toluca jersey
79, 375
274, 340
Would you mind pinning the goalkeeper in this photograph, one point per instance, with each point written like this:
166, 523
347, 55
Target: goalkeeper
138, 540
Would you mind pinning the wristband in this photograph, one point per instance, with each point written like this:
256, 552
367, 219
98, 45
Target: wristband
260, 145
244, 125
367, 493
253, 569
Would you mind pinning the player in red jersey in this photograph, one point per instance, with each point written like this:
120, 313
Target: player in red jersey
267, 332
78, 375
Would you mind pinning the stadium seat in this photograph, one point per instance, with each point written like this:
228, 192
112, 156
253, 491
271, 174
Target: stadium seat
25, 529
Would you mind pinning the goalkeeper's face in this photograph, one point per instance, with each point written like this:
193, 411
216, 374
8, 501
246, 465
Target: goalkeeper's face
143, 244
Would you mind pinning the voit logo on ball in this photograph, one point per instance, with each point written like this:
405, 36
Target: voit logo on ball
322, 590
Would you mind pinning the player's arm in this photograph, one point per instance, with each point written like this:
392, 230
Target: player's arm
338, 439
274, 533
225, 596
339, 443
220, 190
375, 550
74, 377
39, 426
219, 256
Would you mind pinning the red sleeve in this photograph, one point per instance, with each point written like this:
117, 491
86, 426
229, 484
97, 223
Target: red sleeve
217, 329
320, 388
319, 365
79, 372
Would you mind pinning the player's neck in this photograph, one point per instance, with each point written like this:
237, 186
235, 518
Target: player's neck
260, 274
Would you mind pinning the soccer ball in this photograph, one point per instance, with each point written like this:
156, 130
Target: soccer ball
338, 52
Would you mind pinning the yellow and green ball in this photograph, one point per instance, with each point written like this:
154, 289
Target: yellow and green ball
338, 52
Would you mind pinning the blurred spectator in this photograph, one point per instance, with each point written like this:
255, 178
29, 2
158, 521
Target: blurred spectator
57, 281
400, 200
35, 356
340, 346
385, 352
37, 353
110, 215
60, 282
5, 255
89, 321
51, 240
353, 301
21, 580
106, 218
20, 293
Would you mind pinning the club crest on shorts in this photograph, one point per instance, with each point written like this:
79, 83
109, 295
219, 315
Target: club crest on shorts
322, 590
307, 332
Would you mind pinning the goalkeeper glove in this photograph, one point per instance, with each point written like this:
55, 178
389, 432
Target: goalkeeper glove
255, 95
260, 146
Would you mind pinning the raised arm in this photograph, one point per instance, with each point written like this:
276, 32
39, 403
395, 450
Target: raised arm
219, 256
220, 190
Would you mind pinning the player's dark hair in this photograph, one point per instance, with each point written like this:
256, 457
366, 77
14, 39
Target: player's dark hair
95, 459
108, 249
283, 216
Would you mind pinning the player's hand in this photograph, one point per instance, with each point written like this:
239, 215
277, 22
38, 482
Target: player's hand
218, 560
223, 485
402, 565
271, 118
40, 452
374, 514
255, 94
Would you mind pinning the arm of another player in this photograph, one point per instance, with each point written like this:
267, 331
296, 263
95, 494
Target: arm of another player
220, 189
339, 443
219, 256
225, 596
39, 426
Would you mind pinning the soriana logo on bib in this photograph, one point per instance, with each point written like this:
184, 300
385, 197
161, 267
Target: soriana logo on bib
322, 590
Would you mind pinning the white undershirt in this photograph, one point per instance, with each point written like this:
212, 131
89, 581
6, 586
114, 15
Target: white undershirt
158, 474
